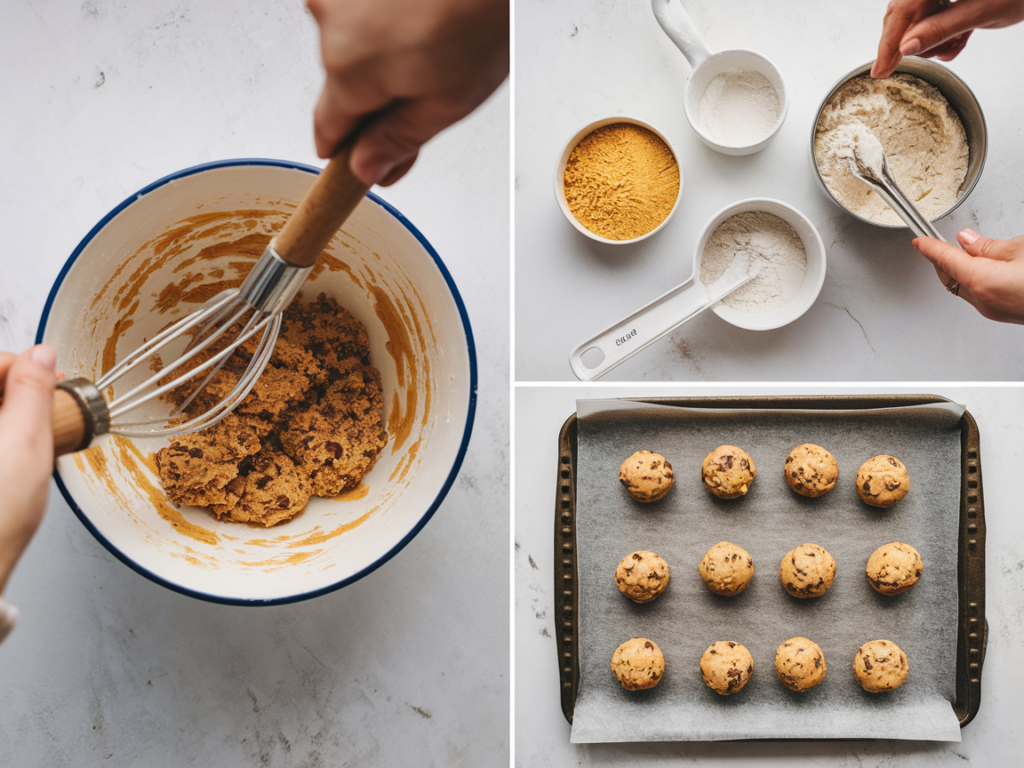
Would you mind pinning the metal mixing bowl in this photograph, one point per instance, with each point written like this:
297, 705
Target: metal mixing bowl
960, 97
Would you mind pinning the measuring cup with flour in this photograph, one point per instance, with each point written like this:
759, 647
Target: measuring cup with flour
759, 264
736, 99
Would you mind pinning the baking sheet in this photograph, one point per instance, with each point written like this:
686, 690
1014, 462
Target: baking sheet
768, 522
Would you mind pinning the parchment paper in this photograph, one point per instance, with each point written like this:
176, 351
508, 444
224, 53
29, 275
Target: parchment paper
769, 521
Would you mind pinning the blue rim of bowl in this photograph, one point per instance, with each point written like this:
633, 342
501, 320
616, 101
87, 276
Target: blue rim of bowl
470, 414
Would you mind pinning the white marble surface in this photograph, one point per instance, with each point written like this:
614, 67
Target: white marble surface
882, 314
542, 734
105, 668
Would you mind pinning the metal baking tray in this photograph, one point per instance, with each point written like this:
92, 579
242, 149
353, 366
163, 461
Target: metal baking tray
972, 627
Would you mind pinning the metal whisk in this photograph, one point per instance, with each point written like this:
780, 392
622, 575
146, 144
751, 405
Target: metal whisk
81, 413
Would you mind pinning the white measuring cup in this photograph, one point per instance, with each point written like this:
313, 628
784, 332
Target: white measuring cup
620, 341
707, 66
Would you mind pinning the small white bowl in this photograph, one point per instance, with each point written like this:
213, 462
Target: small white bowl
560, 178
108, 298
814, 278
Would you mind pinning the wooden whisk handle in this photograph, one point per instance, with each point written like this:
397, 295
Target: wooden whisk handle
69, 427
331, 200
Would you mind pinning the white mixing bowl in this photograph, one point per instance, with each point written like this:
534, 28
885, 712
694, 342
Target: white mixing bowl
158, 255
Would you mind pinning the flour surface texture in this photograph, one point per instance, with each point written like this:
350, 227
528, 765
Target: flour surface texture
768, 241
739, 108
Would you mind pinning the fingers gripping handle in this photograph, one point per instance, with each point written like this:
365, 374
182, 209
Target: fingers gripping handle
684, 35
631, 334
329, 202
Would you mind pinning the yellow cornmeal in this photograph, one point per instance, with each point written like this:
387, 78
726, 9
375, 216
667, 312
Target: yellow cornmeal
621, 181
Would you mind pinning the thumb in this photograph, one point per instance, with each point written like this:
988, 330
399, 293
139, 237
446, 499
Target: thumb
26, 413
961, 266
938, 28
396, 135
984, 247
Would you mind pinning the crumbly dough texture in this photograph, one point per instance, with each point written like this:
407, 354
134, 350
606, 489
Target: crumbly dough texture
647, 476
726, 667
638, 664
728, 472
882, 481
807, 571
312, 424
894, 568
922, 135
800, 663
641, 576
880, 665
811, 470
726, 569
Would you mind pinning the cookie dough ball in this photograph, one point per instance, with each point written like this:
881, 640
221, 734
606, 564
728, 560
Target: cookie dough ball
647, 476
638, 664
894, 568
811, 470
726, 569
880, 665
882, 481
726, 667
807, 571
728, 472
641, 576
800, 664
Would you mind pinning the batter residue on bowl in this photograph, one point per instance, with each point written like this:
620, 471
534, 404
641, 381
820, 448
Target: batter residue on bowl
920, 132
311, 426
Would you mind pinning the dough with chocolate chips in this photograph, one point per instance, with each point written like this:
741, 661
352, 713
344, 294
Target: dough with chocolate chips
811, 470
894, 568
726, 667
726, 569
882, 481
311, 425
880, 665
641, 576
807, 571
647, 476
638, 664
800, 664
728, 472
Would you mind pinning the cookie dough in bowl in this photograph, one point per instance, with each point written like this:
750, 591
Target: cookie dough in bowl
894, 568
726, 667
638, 664
646, 476
807, 571
642, 576
811, 470
882, 481
726, 569
162, 253
800, 663
728, 472
880, 665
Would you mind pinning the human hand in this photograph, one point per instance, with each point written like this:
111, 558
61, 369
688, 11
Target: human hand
937, 28
26, 448
990, 272
403, 70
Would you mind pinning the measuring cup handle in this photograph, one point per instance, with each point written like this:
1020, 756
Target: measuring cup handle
685, 35
621, 340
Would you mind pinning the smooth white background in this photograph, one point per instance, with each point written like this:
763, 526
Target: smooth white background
408, 666
542, 733
882, 313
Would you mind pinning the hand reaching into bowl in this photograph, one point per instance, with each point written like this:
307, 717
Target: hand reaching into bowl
937, 28
990, 272
26, 448
404, 70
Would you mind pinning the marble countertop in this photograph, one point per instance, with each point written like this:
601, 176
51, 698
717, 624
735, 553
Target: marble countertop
542, 734
101, 98
882, 314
